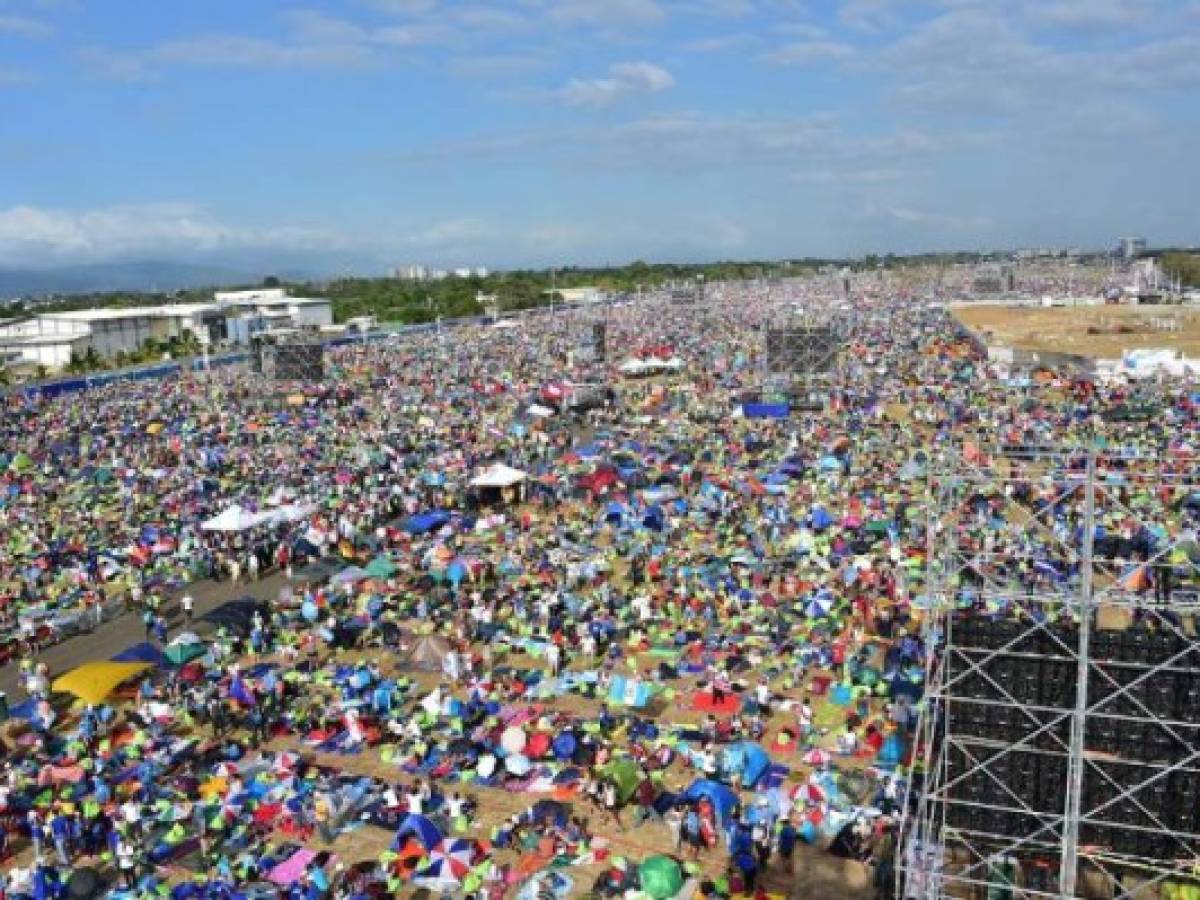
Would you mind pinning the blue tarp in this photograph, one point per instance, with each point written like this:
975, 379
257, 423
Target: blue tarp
143, 652
423, 523
766, 410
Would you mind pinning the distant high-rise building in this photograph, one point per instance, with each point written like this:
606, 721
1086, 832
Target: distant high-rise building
410, 273
1132, 247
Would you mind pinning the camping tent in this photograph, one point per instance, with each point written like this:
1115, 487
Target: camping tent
419, 827
748, 761
660, 877
427, 654
625, 775
723, 800
94, 681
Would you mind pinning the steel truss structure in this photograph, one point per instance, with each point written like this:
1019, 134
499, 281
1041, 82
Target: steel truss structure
293, 358
800, 356
591, 344
1058, 748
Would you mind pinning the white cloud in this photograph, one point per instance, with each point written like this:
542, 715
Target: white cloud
721, 42
1089, 15
688, 142
839, 177
403, 7
419, 35
974, 61
607, 13
49, 235
925, 219
803, 31
870, 15
723, 8
312, 39
500, 64
493, 19
235, 51
807, 53
623, 79
24, 27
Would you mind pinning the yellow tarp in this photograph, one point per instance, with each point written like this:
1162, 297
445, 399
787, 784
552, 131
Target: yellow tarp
93, 682
154, 428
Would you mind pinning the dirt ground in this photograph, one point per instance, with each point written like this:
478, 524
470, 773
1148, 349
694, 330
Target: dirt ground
1101, 332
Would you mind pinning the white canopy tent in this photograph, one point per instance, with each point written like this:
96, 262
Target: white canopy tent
235, 518
498, 476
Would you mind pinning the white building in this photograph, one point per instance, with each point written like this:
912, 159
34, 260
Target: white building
481, 272
462, 272
50, 339
269, 309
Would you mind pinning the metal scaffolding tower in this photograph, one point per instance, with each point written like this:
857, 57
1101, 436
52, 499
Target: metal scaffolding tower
1058, 748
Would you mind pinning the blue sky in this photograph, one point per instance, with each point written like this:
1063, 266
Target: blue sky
369, 133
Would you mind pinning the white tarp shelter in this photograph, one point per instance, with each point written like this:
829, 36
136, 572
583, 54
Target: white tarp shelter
498, 476
235, 518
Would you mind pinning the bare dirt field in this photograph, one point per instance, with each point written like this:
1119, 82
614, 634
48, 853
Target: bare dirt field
1102, 332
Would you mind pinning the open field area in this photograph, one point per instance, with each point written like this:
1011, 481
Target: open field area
1102, 332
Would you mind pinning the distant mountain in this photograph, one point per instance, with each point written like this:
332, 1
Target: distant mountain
121, 276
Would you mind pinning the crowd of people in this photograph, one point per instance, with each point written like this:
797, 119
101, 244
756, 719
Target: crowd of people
658, 644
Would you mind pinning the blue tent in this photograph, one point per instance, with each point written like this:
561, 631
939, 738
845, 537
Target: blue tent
614, 513
754, 762
564, 746
724, 801
423, 523
765, 410
655, 519
821, 518
143, 652
419, 826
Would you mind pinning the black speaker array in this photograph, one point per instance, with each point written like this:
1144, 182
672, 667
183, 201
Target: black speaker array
294, 361
1128, 744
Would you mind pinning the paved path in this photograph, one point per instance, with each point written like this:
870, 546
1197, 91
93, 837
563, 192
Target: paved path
114, 636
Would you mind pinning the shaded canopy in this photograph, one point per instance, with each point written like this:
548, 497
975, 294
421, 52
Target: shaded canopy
237, 615
144, 652
94, 681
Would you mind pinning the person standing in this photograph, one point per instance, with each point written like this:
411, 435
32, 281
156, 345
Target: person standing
188, 605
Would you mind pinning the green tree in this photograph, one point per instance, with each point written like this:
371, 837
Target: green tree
1184, 266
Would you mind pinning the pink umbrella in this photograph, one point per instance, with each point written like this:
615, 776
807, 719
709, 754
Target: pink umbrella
817, 757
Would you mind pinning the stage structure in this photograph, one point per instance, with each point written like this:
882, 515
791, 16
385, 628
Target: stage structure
1058, 746
297, 356
800, 355
592, 343
690, 293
